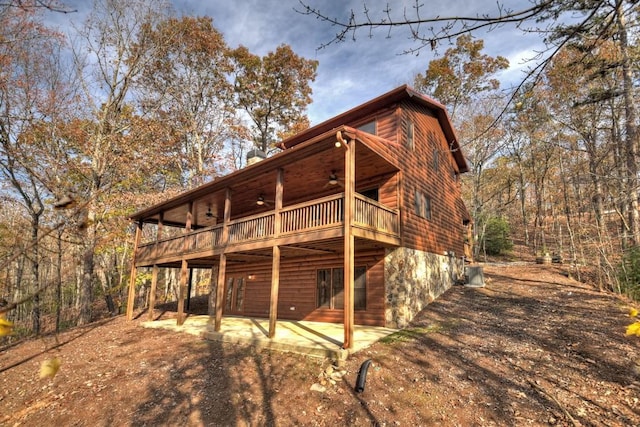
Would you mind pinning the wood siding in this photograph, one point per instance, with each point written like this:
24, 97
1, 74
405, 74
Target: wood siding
445, 230
437, 179
298, 288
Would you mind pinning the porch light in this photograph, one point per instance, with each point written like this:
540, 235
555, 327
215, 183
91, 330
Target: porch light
338, 144
209, 214
260, 201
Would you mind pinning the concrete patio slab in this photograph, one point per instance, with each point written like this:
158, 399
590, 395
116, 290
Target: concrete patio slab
314, 339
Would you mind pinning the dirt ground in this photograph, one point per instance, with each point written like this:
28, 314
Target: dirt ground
532, 348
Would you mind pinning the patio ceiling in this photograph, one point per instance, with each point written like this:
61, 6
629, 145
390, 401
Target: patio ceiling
307, 168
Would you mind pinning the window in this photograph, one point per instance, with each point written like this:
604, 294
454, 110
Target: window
423, 205
370, 194
410, 135
330, 288
324, 288
436, 159
234, 295
360, 289
369, 127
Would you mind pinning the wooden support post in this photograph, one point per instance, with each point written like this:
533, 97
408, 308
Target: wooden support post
132, 278
183, 286
349, 243
154, 274
275, 285
152, 292
220, 292
189, 288
213, 290
275, 265
184, 268
223, 261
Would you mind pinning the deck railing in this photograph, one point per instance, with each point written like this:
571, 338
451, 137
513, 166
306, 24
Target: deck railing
374, 215
251, 228
323, 212
308, 216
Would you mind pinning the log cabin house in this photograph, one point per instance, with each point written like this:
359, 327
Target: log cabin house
357, 220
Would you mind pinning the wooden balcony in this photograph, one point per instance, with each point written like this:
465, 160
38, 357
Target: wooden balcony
318, 219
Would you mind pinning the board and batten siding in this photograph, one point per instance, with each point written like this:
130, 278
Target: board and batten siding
297, 290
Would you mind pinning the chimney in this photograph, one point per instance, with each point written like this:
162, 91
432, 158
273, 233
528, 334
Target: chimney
255, 156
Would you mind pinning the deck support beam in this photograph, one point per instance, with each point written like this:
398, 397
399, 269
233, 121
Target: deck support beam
217, 324
275, 285
154, 274
213, 294
132, 277
349, 242
275, 266
184, 274
222, 267
184, 269
152, 292
189, 288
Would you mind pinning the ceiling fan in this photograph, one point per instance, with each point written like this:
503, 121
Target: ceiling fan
333, 180
209, 213
261, 201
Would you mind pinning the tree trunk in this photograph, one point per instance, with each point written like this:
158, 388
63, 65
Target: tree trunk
35, 271
59, 280
631, 143
88, 270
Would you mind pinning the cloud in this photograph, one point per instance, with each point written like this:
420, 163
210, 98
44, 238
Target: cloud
351, 72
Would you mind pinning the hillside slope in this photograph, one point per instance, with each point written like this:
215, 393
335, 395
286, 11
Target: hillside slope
533, 347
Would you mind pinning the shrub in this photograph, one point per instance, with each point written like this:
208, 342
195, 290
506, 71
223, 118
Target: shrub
629, 273
497, 239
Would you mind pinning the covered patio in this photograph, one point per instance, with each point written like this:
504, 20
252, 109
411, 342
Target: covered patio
315, 339
300, 203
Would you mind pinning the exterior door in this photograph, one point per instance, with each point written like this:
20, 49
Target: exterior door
234, 295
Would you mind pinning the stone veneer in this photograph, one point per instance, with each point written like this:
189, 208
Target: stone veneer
413, 279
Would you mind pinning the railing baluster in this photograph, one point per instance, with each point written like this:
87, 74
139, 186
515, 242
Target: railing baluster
325, 212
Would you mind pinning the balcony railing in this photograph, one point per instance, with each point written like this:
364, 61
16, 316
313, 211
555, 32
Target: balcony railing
314, 215
375, 216
320, 213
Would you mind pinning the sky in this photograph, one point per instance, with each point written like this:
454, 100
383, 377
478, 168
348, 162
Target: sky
352, 72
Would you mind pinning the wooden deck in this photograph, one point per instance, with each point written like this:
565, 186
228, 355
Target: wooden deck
319, 219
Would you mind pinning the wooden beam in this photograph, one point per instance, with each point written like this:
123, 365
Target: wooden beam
152, 292
220, 292
275, 266
189, 288
310, 250
132, 277
213, 291
184, 269
223, 261
275, 285
349, 242
279, 192
154, 274
159, 231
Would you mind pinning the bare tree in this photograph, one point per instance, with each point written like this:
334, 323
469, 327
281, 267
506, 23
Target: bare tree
111, 55
30, 95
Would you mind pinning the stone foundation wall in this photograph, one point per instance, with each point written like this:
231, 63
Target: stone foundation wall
413, 279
